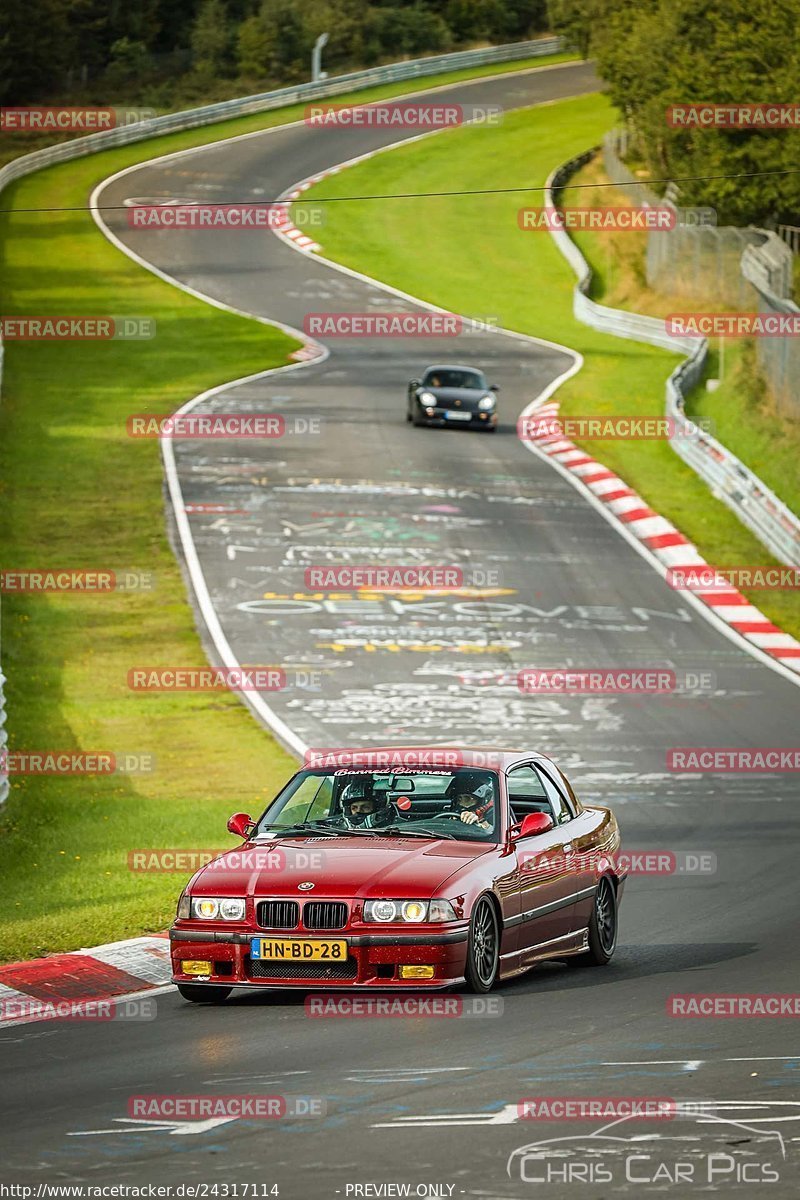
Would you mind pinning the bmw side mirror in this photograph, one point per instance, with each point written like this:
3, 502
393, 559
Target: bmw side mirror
533, 823
241, 825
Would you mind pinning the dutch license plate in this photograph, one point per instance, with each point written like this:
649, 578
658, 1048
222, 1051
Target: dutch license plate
457, 416
298, 949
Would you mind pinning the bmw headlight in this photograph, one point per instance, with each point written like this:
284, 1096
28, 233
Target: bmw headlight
428, 399
213, 908
411, 912
486, 402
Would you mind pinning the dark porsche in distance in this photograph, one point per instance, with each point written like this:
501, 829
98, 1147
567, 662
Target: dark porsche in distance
452, 395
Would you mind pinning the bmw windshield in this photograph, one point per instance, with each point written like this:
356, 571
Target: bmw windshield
460, 804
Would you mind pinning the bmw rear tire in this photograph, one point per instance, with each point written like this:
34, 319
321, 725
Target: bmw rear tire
602, 928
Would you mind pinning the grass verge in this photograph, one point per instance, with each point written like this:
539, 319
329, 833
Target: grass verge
76, 492
522, 279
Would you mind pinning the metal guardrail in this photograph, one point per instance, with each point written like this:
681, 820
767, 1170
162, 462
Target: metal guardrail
3, 742
210, 114
729, 479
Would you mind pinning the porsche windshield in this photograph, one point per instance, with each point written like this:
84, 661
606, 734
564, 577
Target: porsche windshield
462, 804
453, 377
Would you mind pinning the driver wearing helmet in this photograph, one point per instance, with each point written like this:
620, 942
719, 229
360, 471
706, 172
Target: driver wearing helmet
363, 808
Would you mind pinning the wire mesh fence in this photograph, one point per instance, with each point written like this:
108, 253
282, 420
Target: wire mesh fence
722, 267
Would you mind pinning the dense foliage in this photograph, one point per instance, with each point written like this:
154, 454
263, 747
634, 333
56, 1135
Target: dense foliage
656, 53
160, 52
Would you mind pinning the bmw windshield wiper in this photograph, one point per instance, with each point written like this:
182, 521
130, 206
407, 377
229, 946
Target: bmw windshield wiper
308, 826
401, 829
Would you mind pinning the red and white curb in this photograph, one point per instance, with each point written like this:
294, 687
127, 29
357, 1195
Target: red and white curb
282, 224
659, 536
63, 985
286, 230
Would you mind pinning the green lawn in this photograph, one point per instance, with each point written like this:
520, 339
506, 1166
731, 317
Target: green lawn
521, 278
76, 492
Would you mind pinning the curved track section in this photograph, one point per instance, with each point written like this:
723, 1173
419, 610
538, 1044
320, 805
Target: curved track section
405, 1098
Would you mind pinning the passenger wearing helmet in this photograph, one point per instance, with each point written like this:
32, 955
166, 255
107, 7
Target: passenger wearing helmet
472, 812
363, 808
472, 798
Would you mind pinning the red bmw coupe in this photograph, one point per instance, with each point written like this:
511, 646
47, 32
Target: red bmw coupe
403, 868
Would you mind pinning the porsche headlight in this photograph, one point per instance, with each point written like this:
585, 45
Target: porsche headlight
411, 912
212, 908
428, 399
486, 402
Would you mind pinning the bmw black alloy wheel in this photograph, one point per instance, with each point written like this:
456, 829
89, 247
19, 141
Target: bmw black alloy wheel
606, 917
484, 947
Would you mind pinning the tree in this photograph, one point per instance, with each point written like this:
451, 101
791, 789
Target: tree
680, 52
210, 40
253, 48
34, 51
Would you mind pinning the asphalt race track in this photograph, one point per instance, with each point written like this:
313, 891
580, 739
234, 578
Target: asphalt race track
405, 1100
